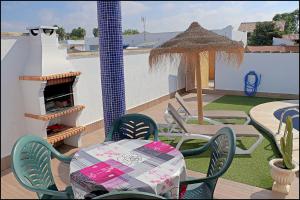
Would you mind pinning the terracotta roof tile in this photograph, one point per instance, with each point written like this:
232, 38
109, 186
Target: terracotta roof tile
250, 26
247, 26
272, 49
49, 77
291, 36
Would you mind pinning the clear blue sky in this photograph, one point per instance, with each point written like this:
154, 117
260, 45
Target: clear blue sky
161, 16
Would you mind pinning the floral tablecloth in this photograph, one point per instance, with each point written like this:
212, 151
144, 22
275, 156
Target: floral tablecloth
138, 165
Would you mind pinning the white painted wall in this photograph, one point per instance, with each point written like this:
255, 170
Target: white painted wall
239, 36
88, 41
88, 89
280, 41
279, 73
142, 86
13, 56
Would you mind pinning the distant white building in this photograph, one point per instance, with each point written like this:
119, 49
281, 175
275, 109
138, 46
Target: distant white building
74, 44
289, 39
91, 43
281, 41
152, 40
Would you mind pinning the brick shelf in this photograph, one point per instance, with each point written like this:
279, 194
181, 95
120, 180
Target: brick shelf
50, 116
56, 137
49, 77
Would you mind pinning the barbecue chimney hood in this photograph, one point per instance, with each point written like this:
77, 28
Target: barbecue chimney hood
45, 56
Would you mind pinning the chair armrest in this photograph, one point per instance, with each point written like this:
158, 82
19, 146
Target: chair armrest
61, 157
156, 135
195, 151
109, 136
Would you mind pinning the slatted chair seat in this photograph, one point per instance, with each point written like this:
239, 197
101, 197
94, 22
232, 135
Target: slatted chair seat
133, 126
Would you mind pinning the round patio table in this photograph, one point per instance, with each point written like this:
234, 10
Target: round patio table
135, 165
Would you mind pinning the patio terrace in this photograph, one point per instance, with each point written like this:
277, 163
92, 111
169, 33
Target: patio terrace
226, 189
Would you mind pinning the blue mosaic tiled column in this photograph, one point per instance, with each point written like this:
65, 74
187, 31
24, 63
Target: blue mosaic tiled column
111, 61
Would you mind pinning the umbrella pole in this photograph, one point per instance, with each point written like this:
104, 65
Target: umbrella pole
199, 87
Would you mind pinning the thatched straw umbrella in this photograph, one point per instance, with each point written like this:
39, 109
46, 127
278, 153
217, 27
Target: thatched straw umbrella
192, 42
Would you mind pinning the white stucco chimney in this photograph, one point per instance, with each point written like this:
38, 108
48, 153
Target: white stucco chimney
45, 56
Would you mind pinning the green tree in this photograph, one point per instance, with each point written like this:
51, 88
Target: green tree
130, 32
61, 33
77, 33
263, 34
95, 32
291, 21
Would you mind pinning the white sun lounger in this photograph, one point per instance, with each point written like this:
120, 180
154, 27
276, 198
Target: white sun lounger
178, 127
188, 113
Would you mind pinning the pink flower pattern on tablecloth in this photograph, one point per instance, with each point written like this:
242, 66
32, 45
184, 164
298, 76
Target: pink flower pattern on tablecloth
101, 172
109, 153
159, 146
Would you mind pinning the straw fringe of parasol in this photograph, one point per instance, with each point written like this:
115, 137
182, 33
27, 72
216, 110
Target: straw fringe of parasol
198, 39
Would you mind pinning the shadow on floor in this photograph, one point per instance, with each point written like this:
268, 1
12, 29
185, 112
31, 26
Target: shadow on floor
267, 194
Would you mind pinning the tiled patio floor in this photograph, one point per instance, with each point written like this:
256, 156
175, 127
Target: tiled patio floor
10, 188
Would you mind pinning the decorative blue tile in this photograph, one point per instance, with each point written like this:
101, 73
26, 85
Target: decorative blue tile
111, 61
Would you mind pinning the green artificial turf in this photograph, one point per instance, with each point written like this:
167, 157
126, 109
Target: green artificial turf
249, 169
237, 103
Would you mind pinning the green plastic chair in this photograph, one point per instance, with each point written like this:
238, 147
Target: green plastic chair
31, 165
133, 126
222, 149
128, 195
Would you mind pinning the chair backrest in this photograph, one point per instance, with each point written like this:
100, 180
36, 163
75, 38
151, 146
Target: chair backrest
31, 163
133, 126
176, 116
182, 103
222, 147
129, 195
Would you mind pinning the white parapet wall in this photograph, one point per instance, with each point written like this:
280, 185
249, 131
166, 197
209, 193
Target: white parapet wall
279, 73
141, 86
13, 56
